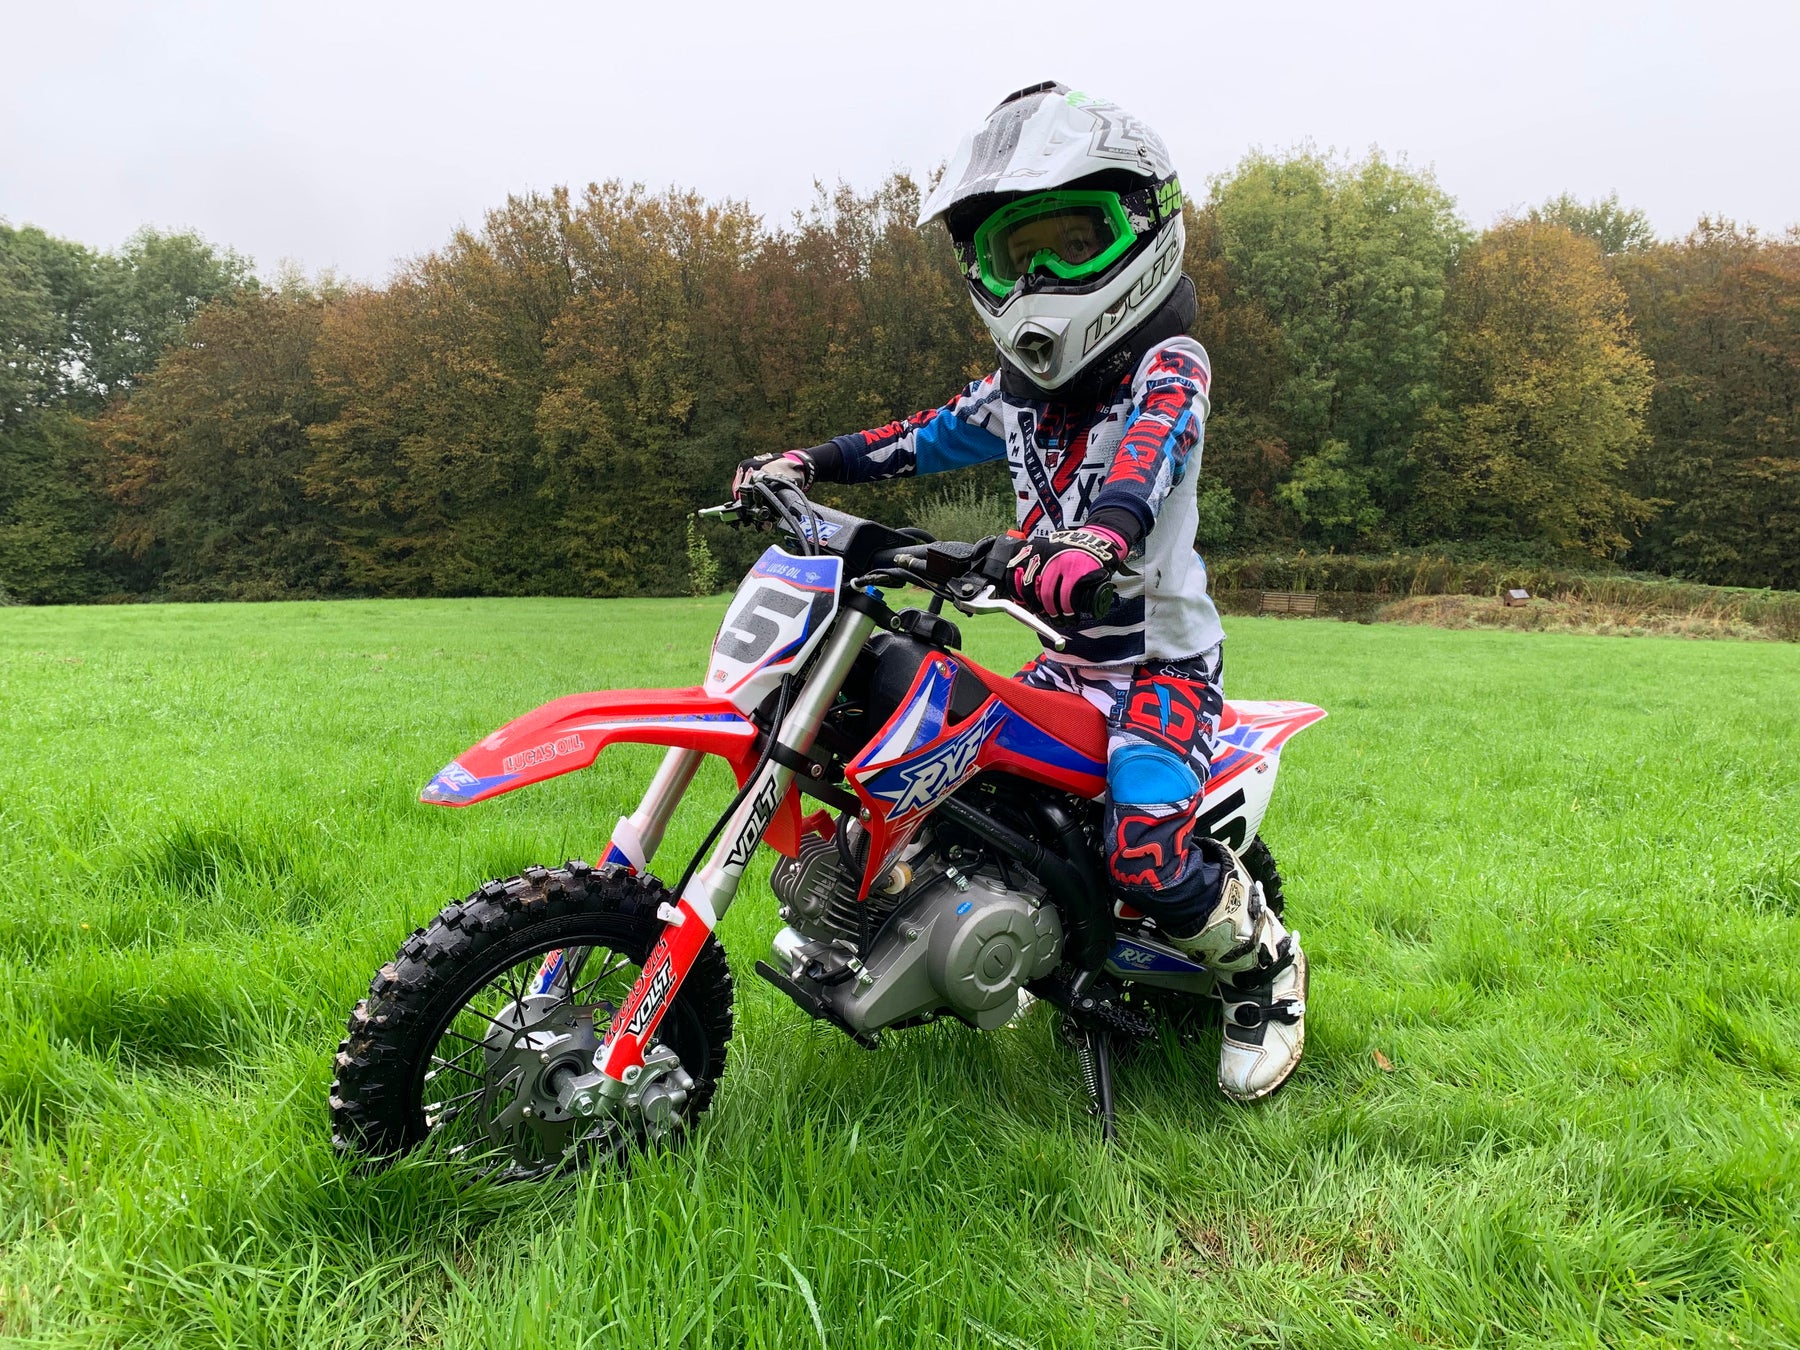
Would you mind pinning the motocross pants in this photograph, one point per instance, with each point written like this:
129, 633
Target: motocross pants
1161, 718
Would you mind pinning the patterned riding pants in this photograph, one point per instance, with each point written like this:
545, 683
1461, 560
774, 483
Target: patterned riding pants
1161, 718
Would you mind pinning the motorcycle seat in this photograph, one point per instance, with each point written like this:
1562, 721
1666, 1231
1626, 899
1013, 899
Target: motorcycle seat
1068, 717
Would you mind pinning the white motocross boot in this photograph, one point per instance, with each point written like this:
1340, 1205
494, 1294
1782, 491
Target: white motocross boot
1262, 984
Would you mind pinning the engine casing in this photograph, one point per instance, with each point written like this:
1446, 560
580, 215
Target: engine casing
958, 941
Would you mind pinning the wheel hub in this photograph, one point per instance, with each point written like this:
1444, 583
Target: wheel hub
532, 1046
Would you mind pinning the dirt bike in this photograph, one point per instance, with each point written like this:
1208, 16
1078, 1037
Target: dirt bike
954, 866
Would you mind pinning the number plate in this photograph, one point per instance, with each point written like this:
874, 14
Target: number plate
776, 619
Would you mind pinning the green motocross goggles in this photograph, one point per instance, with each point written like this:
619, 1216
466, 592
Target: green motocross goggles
1069, 233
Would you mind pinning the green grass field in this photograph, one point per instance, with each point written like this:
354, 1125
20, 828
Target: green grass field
1550, 886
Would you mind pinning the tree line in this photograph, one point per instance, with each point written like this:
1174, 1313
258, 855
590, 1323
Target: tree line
534, 407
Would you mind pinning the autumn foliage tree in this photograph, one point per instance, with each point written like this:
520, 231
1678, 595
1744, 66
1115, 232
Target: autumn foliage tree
1348, 263
206, 460
1546, 390
1719, 314
78, 330
536, 406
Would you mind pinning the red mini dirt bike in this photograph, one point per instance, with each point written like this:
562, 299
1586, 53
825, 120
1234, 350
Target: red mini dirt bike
577, 1012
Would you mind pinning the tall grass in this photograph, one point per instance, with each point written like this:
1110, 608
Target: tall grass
1553, 881
963, 510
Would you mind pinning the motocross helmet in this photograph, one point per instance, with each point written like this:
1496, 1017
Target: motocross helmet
1066, 214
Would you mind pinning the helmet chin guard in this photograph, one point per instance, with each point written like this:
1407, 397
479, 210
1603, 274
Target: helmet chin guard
1036, 344
1066, 213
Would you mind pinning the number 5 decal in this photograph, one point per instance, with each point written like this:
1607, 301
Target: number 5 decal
781, 612
748, 634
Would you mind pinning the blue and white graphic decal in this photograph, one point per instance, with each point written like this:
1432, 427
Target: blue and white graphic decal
922, 720
825, 528
1027, 741
548, 971
627, 721
779, 615
1130, 957
913, 785
454, 784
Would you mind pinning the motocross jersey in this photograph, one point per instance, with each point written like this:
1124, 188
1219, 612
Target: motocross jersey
1138, 449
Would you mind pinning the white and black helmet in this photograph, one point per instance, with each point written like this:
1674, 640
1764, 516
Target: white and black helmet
1066, 213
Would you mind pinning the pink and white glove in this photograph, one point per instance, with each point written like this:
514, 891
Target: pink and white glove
790, 466
1046, 571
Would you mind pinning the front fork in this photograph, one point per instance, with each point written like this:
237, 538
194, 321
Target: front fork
619, 1062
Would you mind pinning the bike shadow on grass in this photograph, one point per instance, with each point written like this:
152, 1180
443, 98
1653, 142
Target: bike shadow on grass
1026, 1075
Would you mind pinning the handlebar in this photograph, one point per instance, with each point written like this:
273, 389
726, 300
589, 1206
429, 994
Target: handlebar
972, 576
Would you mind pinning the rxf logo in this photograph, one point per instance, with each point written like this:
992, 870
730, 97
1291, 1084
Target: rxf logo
654, 994
1104, 325
540, 754
938, 773
1126, 955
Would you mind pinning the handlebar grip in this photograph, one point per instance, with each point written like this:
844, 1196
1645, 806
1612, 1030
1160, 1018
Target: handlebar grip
1094, 597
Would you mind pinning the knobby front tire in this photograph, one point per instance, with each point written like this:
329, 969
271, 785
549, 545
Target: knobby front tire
445, 1046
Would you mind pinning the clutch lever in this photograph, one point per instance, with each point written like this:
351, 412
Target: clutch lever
988, 603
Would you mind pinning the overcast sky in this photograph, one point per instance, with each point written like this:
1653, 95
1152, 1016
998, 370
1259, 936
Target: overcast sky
349, 136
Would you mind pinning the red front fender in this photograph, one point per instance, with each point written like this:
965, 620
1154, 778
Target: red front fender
569, 733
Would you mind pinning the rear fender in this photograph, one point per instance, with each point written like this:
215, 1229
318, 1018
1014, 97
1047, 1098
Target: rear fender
1246, 758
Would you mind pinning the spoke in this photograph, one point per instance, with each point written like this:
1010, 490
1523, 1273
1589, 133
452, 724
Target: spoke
617, 963
455, 1068
476, 1044
512, 1031
574, 961
459, 1097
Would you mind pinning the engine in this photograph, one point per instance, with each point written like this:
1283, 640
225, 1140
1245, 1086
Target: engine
938, 932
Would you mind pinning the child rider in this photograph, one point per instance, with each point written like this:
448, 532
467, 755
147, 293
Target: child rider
1066, 214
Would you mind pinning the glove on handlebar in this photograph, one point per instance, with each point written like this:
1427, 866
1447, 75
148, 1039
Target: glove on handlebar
798, 467
790, 466
1046, 571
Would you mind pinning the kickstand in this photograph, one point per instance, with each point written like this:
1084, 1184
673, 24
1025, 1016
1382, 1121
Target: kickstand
1095, 1053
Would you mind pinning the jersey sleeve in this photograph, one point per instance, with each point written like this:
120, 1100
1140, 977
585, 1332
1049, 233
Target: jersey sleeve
962, 432
1162, 431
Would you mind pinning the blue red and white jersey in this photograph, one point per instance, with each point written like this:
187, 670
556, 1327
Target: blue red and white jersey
1139, 449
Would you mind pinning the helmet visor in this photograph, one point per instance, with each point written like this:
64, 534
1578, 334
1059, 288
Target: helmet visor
1068, 235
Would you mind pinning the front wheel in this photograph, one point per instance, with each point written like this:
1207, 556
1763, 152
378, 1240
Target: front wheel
467, 1033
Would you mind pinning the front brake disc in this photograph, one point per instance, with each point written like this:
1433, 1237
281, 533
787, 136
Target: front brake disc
530, 1045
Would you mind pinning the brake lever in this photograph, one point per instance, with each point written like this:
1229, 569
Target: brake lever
726, 511
988, 603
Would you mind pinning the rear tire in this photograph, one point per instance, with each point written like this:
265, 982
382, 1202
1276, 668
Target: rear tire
454, 976
1259, 862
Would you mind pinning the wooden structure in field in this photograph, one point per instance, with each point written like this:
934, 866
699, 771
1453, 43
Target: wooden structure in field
1290, 602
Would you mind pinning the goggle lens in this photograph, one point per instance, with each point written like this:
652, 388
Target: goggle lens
1069, 235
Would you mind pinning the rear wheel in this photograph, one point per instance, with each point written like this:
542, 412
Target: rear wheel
1259, 862
467, 1034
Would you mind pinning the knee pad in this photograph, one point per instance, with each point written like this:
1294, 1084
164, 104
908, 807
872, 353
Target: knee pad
1142, 774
